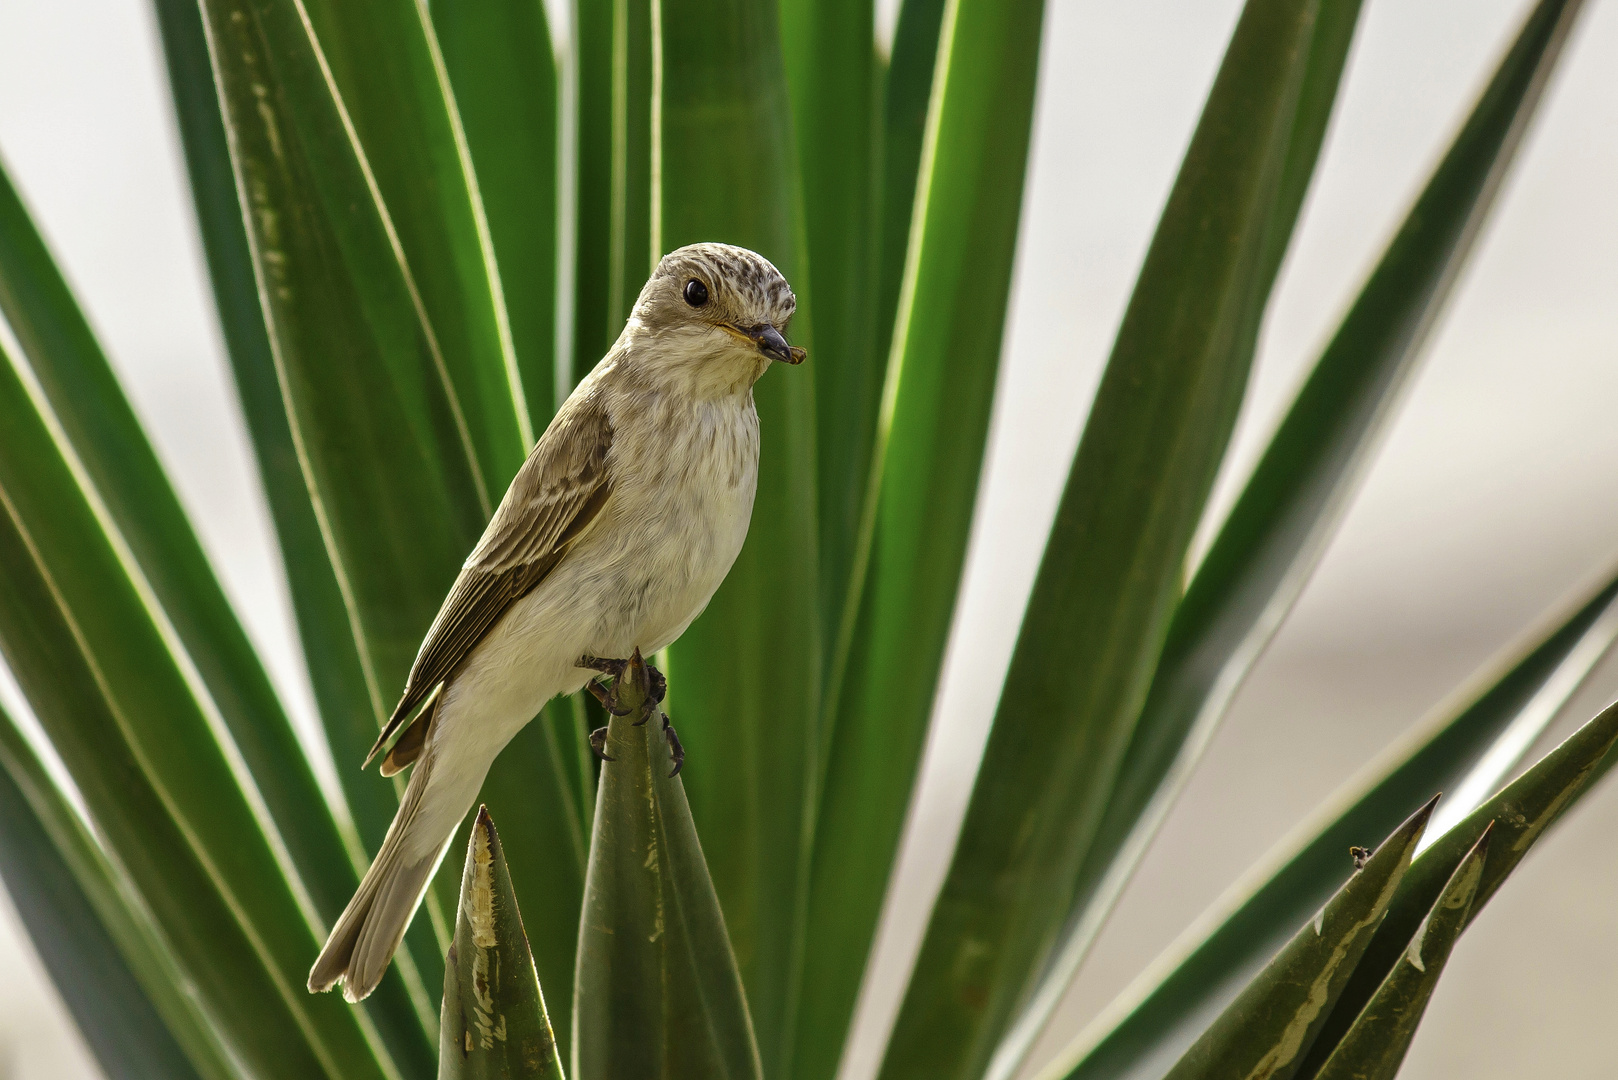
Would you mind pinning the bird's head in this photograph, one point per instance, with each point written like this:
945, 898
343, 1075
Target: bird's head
717, 314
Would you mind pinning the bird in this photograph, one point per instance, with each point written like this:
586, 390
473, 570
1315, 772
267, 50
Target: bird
613, 536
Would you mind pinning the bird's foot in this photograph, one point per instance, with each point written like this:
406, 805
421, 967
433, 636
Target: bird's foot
609, 698
676, 751
598, 744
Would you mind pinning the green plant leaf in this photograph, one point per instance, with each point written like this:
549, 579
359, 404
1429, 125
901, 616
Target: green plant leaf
747, 674
1375, 1045
500, 64
1272, 1023
147, 747
1306, 479
494, 1021
1112, 568
658, 992
386, 67
1141, 1033
833, 76
61, 888
337, 657
927, 460
1518, 816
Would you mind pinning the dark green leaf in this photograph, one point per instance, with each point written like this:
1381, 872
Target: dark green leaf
1272, 1023
148, 750
60, 886
1138, 1036
593, 331
1306, 479
1113, 566
1375, 1045
747, 674
1518, 816
832, 73
338, 659
658, 993
498, 56
386, 68
494, 1025
888, 649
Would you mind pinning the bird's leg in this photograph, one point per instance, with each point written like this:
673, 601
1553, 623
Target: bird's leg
615, 668
598, 744
660, 685
608, 699
676, 751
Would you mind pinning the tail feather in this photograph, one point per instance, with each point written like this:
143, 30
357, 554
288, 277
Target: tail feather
371, 927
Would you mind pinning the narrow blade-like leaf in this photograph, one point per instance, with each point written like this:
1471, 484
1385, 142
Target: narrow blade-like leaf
590, 69
747, 673
927, 461
1375, 1045
658, 993
500, 65
385, 64
1307, 477
1112, 568
1518, 816
494, 1024
1141, 1033
1273, 1021
59, 885
146, 746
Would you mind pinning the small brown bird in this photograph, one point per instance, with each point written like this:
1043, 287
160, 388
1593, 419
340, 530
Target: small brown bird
614, 536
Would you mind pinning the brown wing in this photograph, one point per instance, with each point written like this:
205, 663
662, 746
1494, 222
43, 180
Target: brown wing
558, 492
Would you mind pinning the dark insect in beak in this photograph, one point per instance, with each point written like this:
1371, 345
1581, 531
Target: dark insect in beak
772, 344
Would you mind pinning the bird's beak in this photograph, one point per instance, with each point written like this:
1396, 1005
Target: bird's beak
771, 343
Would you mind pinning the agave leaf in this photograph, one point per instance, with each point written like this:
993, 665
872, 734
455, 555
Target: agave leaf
108, 680
1272, 1023
111, 972
926, 463
1306, 479
500, 65
590, 69
338, 658
1112, 568
85, 399
658, 992
1518, 816
494, 1024
1375, 1045
747, 673
1141, 1033
833, 76
385, 64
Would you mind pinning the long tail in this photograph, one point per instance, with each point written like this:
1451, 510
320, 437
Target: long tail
371, 927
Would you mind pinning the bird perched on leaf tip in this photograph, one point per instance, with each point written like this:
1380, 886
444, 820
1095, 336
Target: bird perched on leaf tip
614, 536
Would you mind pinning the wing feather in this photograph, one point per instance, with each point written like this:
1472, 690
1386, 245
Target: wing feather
558, 492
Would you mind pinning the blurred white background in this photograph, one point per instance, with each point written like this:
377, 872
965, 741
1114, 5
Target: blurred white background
1492, 498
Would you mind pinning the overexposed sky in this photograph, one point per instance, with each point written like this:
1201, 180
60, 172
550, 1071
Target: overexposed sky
1492, 496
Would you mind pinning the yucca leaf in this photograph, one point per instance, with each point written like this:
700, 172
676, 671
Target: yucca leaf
1272, 1023
61, 888
337, 657
148, 749
1112, 568
1306, 479
747, 674
494, 1024
591, 70
1374, 1047
1139, 1035
832, 74
85, 399
658, 993
501, 68
385, 64
888, 649
1518, 816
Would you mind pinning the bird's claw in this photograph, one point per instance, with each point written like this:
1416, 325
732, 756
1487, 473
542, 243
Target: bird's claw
598, 744
608, 698
676, 751
658, 684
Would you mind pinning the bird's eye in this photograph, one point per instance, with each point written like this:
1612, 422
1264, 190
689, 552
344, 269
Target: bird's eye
696, 293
